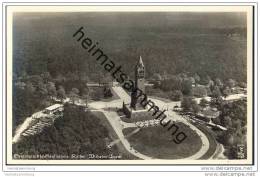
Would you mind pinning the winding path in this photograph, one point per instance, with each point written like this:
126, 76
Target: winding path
176, 117
118, 125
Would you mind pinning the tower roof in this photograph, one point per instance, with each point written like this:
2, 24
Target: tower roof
140, 63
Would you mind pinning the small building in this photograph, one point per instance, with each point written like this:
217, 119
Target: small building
177, 108
235, 97
52, 109
239, 90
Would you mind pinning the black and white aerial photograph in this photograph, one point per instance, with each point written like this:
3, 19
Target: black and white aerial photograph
131, 87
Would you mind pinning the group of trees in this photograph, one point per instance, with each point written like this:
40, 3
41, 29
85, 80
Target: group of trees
77, 132
217, 90
33, 93
171, 86
107, 92
234, 117
190, 105
178, 86
171, 83
233, 114
30, 94
28, 90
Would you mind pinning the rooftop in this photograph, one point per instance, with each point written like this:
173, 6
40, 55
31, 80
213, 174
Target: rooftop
140, 62
53, 107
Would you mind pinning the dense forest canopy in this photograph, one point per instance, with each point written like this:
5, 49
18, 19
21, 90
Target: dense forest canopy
212, 44
77, 132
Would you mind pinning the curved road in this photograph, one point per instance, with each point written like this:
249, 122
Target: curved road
117, 124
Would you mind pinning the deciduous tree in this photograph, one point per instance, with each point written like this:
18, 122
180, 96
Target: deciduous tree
61, 94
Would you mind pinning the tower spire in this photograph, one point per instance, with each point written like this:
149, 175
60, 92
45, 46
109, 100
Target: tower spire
140, 63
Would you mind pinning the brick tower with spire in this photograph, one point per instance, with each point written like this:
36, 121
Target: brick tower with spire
139, 83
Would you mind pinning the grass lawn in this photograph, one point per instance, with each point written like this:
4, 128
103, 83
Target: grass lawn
157, 142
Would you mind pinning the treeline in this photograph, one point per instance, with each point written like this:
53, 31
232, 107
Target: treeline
234, 117
36, 92
175, 87
77, 132
30, 95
